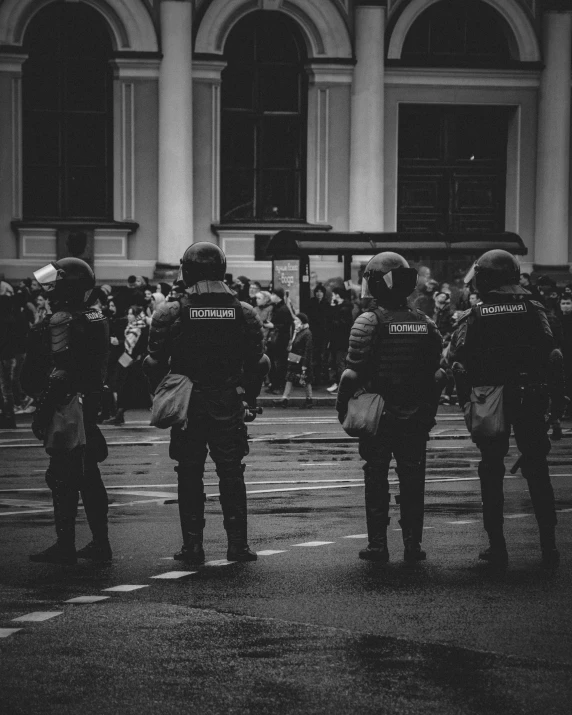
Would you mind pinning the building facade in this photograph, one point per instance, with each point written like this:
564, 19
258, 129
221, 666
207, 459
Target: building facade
151, 124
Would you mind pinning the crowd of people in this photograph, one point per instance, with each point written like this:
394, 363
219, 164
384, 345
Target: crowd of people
306, 350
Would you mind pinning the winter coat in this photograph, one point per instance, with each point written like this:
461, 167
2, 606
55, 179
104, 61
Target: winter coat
301, 344
341, 321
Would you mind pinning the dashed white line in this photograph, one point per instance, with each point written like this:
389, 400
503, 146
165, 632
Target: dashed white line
125, 588
516, 516
169, 575
87, 599
315, 543
5, 632
38, 616
462, 521
271, 552
219, 562
356, 536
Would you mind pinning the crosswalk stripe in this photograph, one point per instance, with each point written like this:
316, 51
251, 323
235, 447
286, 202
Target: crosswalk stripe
38, 616
271, 552
174, 574
315, 543
124, 588
86, 599
5, 632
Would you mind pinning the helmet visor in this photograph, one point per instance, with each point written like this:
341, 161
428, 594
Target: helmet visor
471, 274
47, 276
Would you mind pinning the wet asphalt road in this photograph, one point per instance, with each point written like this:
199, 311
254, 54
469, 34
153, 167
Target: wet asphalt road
308, 628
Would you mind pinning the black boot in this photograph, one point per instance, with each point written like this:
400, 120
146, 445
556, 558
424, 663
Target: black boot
192, 552
61, 552
412, 551
377, 516
233, 502
550, 554
99, 548
496, 553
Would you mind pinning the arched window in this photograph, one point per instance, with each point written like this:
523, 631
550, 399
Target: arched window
67, 115
464, 33
263, 132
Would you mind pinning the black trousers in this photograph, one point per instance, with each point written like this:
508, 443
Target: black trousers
527, 414
70, 474
406, 441
215, 426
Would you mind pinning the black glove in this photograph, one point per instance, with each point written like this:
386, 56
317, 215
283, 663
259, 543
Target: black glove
39, 428
250, 412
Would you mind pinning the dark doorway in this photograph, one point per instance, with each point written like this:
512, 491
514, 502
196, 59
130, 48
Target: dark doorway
452, 168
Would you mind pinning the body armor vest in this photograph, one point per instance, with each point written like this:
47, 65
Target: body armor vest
211, 344
89, 335
502, 344
402, 357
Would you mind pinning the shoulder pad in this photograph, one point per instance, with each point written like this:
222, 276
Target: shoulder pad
537, 305
251, 316
464, 315
167, 312
209, 286
62, 317
367, 319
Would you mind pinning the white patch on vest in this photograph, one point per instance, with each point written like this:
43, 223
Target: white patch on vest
408, 328
209, 313
504, 309
94, 315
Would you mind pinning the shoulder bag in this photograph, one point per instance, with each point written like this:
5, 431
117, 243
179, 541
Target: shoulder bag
363, 414
484, 412
171, 401
66, 430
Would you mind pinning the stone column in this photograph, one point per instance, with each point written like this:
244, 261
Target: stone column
553, 161
366, 166
175, 131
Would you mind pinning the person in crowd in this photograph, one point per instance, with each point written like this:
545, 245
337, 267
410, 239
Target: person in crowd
340, 325
23, 404
319, 316
219, 348
474, 299
507, 342
253, 289
242, 288
566, 345
525, 282
263, 310
278, 339
548, 295
442, 314
129, 363
8, 352
128, 295
117, 327
300, 368
42, 308
69, 356
424, 300
394, 351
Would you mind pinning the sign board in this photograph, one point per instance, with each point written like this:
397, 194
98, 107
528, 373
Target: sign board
286, 275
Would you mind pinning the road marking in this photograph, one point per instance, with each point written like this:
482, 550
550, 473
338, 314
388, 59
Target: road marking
174, 574
219, 562
356, 536
87, 599
167, 558
5, 632
316, 543
159, 495
24, 512
38, 616
125, 588
516, 516
465, 521
271, 552
563, 510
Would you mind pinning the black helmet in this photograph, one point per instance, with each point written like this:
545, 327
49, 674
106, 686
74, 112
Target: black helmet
388, 278
203, 261
494, 269
69, 280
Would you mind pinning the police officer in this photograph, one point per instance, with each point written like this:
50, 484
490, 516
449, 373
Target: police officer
394, 351
216, 340
507, 341
68, 355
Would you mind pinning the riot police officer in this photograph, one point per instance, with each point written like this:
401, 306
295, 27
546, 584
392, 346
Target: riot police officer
506, 341
216, 340
68, 356
394, 351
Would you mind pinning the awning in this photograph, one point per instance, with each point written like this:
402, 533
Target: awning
297, 243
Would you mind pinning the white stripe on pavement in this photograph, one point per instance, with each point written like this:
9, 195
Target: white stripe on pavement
5, 632
219, 562
462, 521
174, 574
125, 588
315, 543
87, 599
38, 616
271, 552
356, 536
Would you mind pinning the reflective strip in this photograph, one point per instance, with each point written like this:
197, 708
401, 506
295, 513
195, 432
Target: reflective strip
47, 274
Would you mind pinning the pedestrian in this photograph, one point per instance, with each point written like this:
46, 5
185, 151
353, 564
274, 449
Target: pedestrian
43, 308
506, 343
394, 351
319, 317
300, 369
8, 353
218, 346
263, 310
129, 380
278, 339
73, 347
340, 324
442, 314
128, 295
